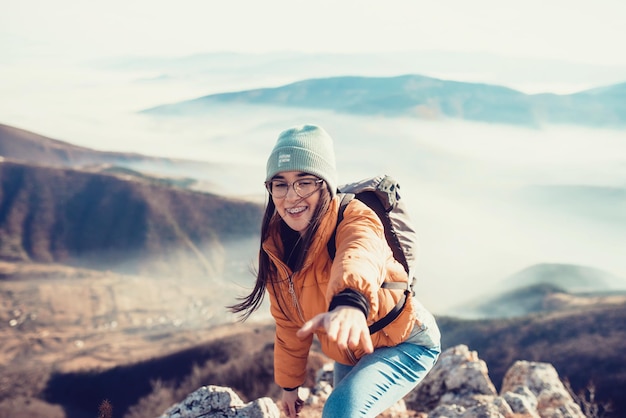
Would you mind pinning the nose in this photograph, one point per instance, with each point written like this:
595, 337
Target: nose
291, 193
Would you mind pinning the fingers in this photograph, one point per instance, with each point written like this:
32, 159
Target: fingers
345, 326
292, 404
293, 409
334, 327
366, 341
288, 410
299, 405
343, 333
310, 326
348, 328
351, 335
306, 330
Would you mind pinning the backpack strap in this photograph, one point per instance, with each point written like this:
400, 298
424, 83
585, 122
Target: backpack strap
332, 251
332, 245
395, 312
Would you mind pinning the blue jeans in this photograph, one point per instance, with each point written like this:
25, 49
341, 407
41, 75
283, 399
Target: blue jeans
378, 380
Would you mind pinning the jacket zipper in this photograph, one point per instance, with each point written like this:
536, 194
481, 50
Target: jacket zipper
296, 304
294, 298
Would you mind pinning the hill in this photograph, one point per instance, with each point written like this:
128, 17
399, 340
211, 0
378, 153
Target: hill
585, 347
124, 224
29, 147
545, 287
23, 145
570, 277
534, 299
427, 98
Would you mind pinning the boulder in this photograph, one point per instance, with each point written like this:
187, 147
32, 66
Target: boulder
216, 401
458, 386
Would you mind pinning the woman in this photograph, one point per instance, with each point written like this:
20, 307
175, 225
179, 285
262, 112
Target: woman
310, 294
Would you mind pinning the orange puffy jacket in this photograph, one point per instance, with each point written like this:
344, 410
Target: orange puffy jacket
362, 262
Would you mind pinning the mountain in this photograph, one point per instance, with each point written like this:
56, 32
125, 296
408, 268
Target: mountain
545, 288
427, 98
26, 146
23, 145
115, 222
570, 277
222, 71
534, 299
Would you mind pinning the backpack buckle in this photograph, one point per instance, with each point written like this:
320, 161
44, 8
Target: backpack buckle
390, 187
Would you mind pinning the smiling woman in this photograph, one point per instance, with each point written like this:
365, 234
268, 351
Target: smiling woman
337, 299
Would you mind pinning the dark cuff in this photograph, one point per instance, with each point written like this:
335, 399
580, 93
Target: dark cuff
350, 297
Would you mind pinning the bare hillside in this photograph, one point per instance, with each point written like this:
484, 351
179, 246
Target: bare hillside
23, 145
120, 223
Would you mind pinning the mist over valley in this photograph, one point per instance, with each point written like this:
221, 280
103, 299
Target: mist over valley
488, 200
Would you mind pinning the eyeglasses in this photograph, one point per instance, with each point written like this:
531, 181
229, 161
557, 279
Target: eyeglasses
303, 187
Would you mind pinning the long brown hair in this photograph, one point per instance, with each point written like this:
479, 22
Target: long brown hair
266, 273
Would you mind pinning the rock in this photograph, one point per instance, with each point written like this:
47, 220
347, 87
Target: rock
215, 401
323, 386
457, 387
458, 378
542, 380
522, 401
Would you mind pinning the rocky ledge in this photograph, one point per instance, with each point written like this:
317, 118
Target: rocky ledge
458, 387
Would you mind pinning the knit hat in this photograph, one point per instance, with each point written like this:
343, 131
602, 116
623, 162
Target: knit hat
306, 148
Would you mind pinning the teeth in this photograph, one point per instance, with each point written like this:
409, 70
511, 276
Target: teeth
295, 210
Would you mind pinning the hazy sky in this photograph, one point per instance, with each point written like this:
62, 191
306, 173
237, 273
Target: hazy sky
581, 31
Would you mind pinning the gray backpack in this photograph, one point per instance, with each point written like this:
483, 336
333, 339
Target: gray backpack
381, 194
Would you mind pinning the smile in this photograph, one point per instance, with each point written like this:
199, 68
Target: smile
296, 210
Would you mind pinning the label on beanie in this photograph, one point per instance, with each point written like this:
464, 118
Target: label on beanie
283, 159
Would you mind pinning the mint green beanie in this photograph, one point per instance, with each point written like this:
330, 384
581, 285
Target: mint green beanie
306, 148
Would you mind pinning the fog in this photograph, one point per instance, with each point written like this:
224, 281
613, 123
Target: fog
465, 184
487, 200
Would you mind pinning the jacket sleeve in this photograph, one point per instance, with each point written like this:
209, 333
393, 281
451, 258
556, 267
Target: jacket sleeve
290, 352
361, 259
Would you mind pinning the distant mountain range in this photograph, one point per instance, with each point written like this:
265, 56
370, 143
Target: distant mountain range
24, 145
430, 98
60, 203
544, 288
569, 277
29, 147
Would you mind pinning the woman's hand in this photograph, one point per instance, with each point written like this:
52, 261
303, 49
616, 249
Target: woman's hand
344, 325
292, 404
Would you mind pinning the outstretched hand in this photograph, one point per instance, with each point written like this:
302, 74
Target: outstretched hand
292, 404
344, 325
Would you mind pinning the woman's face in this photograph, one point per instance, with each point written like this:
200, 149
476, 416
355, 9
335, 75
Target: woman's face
296, 210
